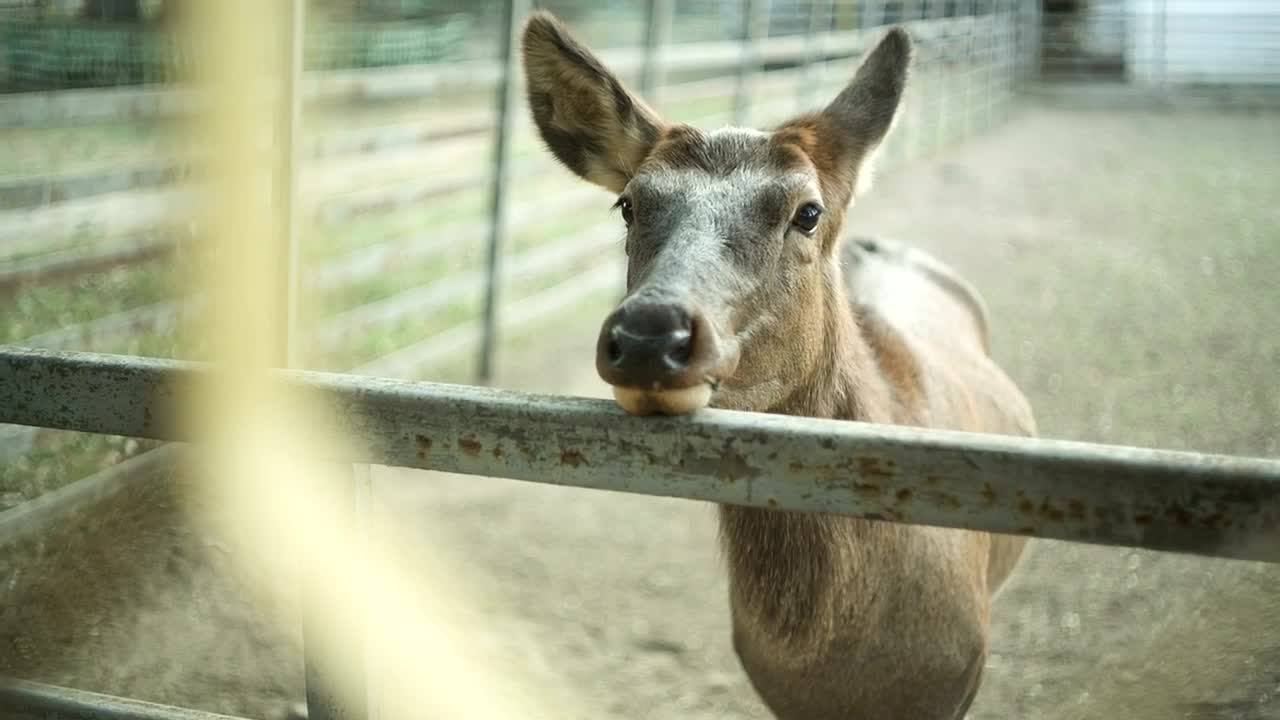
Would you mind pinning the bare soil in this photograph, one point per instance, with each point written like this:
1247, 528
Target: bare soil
1130, 260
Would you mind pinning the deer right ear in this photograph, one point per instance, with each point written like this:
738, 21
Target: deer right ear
587, 118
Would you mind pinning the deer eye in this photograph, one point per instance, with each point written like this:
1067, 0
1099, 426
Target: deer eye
806, 218
628, 213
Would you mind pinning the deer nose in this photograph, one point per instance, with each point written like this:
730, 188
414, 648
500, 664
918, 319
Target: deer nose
654, 346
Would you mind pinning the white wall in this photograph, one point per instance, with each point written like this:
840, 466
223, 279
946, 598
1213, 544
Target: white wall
1204, 41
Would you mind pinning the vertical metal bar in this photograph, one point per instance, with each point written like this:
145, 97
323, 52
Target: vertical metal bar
943, 89
755, 26
810, 86
508, 101
656, 38
991, 50
1001, 60
320, 645
1161, 33
1035, 22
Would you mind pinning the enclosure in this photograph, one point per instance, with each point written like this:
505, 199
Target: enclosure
1105, 172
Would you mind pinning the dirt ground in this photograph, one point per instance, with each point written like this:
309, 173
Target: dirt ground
1130, 260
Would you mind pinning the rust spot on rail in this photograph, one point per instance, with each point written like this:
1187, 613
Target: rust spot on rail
470, 446
572, 458
989, 493
1052, 513
867, 489
1178, 515
948, 500
424, 446
874, 467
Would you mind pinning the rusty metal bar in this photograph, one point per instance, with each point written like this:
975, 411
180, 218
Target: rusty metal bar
25, 699
1185, 502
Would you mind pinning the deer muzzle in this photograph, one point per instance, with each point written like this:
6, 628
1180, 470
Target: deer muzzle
661, 358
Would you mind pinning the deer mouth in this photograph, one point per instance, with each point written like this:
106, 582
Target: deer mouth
662, 359
666, 401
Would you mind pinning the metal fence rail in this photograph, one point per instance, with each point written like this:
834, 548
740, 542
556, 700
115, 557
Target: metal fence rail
50, 702
1162, 500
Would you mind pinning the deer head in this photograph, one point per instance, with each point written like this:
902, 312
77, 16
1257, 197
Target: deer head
733, 274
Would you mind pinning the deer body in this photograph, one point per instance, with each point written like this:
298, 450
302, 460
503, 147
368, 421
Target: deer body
847, 613
743, 295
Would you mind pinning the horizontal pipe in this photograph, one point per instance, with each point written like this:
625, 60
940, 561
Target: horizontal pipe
38, 700
1185, 502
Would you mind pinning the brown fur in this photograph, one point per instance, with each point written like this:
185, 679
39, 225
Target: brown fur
586, 115
834, 617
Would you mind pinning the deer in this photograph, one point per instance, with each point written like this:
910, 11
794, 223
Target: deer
743, 294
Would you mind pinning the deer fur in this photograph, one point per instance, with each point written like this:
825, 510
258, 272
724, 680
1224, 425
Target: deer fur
834, 618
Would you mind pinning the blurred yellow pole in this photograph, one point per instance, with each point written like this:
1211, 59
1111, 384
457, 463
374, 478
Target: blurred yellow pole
257, 483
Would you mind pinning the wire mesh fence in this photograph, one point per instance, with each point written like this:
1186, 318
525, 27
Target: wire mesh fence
396, 177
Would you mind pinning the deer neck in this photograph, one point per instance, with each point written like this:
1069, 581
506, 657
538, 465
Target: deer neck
783, 565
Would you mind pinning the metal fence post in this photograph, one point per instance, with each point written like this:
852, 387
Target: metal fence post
320, 645
820, 14
1028, 24
656, 38
971, 62
755, 26
508, 102
1161, 43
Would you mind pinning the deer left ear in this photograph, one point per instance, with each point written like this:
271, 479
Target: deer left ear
588, 119
862, 115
